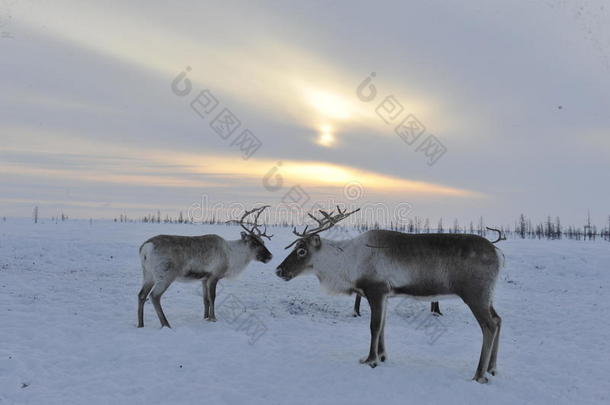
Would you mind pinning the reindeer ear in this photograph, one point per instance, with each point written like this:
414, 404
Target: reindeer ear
315, 241
243, 235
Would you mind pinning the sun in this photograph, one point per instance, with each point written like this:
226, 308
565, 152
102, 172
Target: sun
328, 104
326, 137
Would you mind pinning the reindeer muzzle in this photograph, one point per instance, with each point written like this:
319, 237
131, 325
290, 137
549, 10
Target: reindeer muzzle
282, 274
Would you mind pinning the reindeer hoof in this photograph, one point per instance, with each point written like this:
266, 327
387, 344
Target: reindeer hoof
382, 357
371, 362
355, 314
481, 380
211, 319
492, 372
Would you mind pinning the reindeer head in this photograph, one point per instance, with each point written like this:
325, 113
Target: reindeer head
253, 237
308, 245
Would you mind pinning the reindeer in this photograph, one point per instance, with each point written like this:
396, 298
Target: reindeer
209, 258
434, 305
379, 264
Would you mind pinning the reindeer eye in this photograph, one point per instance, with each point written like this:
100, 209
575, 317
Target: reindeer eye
301, 252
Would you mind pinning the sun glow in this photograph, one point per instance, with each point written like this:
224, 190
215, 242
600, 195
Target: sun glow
326, 137
218, 171
328, 105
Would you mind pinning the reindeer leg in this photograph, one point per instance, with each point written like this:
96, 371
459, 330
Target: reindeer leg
206, 302
376, 298
211, 293
491, 369
381, 346
155, 296
146, 287
357, 305
481, 311
435, 308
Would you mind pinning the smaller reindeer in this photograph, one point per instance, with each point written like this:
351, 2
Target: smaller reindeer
434, 305
209, 258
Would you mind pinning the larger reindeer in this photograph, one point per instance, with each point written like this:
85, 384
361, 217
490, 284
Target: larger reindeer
378, 264
209, 258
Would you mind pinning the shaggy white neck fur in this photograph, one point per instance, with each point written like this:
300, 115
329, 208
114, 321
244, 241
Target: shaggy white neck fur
334, 265
239, 256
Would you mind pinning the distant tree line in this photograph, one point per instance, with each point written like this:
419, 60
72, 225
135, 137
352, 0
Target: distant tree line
156, 219
523, 228
36, 216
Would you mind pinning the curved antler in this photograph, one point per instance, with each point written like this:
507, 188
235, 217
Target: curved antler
255, 230
500, 236
324, 224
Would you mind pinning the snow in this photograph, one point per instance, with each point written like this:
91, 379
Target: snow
68, 335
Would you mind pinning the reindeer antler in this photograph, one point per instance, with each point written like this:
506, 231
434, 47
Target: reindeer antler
255, 230
500, 235
256, 226
324, 224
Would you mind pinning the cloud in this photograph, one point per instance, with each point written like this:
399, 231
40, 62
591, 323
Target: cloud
100, 162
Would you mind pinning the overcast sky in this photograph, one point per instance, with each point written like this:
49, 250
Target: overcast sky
516, 94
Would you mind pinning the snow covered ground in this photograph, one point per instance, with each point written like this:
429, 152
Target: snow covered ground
68, 335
